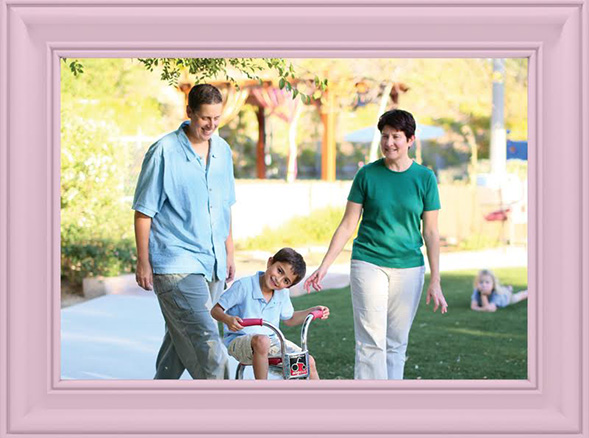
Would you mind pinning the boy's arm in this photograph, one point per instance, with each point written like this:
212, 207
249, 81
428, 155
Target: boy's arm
232, 322
298, 317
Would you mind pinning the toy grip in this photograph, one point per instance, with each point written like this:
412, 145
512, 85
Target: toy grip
251, 321
317, 314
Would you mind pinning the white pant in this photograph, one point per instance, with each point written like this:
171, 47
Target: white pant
385, 301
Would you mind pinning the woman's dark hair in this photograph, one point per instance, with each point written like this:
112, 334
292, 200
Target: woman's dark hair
203, 94
294, 259
399, 120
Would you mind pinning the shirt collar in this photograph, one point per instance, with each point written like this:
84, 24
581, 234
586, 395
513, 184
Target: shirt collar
187, 147
256, 290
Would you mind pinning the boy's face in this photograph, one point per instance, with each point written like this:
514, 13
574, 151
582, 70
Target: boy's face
279, 275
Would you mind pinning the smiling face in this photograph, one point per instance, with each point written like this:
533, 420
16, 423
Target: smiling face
204, 121
278, 275
485, 284
394, 144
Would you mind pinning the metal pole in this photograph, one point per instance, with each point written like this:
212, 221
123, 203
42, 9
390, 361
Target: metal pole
498, 133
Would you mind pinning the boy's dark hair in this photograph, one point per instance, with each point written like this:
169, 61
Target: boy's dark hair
203, 94
294, 259
399, 120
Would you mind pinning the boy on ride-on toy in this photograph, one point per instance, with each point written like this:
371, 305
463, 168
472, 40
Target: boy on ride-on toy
264, 295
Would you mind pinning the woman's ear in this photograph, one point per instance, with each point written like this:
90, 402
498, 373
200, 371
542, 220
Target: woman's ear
270, 261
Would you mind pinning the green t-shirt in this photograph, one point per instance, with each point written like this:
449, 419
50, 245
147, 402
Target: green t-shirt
392, 203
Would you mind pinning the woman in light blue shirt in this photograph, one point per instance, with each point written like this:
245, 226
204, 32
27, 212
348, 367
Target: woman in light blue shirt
182, 209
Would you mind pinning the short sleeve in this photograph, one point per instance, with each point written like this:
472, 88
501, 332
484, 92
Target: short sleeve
232, 296
475, 295
358, 191
149, 193
286, 310
432, 196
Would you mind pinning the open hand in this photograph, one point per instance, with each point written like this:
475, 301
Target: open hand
434, 292
315, 280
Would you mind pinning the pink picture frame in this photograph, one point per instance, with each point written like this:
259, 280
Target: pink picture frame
553, 35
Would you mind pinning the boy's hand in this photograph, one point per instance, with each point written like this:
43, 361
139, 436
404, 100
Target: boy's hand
325, 311
233, 323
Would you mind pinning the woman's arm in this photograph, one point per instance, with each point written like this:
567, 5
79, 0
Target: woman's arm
341, 236
431, 237
143, 273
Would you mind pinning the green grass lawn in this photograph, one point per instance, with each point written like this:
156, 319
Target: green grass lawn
461, 344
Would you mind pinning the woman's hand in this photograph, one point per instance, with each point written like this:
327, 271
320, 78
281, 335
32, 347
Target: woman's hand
434, 292
144, 274
315, 279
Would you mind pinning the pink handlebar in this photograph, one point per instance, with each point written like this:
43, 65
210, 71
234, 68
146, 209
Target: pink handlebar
317, 314
251, 321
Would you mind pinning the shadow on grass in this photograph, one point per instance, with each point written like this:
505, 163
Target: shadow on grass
461, 344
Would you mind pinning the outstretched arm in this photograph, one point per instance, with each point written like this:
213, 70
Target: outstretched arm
299, 316
341, 236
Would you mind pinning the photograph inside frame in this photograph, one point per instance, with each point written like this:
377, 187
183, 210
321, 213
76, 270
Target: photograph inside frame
294, 218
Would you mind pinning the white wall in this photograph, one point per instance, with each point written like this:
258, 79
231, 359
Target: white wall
270, 203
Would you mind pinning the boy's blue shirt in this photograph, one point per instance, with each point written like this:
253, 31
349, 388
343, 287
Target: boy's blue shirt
245, 299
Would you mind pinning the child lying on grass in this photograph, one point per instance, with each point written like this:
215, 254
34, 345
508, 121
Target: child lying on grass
489, 295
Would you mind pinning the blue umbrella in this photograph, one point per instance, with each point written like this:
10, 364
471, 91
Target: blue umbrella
365, 135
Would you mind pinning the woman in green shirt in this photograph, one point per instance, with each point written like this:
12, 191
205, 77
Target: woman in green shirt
398, 201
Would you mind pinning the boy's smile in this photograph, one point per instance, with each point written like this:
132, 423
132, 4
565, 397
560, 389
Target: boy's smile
278, 275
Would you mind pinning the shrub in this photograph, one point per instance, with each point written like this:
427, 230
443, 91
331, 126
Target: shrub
107, 257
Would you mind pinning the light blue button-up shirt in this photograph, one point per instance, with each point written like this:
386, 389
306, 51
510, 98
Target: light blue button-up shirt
189, 203
245, 299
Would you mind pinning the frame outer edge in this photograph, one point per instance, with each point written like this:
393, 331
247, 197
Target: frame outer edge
4, 177
50, 65
584, 402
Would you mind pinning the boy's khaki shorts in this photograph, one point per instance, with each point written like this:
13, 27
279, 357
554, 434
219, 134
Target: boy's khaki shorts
241, 348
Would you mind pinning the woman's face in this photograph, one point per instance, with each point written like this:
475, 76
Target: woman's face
394, 144
485, 285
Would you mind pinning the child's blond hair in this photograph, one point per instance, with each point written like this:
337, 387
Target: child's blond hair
497, 287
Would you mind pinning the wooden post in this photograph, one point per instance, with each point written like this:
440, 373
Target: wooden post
261, 146
328, 145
